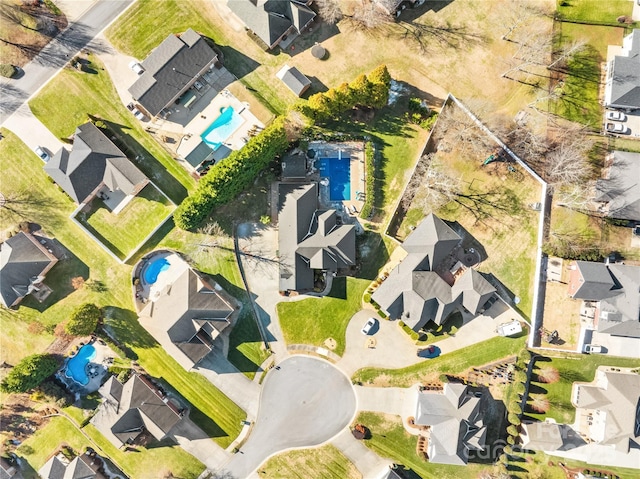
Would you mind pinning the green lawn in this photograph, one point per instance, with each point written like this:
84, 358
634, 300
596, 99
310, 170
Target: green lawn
313, 320
123, 232
64, 103
452, 363
573, 368
325, 462
597, 11
146, 463
390, 440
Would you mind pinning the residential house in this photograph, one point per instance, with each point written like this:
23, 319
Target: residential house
395, 7
617, 193
80, 467
24, 263
188, 314
294, 79
609, 409
622, 86
134, 408
311, 239
610, 296
274, 21
549, 436
455, 417
171, 69
432, 282
95, 166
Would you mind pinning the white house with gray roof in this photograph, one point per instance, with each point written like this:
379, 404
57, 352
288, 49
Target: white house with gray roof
612, 290
622, 87
431, 282
171, 69
455, 417
310, 238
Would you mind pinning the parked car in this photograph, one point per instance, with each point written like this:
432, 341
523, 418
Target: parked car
368, 325
592, 349
429, 352
616, 128
138, 114
136, 67
616, 116
44, 156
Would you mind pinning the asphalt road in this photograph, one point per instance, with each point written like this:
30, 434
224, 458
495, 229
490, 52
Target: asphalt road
15, 92
305, 402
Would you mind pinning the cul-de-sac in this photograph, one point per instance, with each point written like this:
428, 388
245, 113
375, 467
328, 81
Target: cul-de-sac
319, 239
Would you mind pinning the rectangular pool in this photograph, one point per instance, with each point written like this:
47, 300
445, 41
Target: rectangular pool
338, 171
222, 128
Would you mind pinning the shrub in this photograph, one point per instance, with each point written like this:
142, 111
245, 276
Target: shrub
367, 297
29, 373
539, 403
512, 430
370, 191
35, 328
548, 374
514, 419
231, 176
84, 320
7, 70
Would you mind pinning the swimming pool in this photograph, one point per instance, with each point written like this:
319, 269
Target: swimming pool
154, 268
76, 366
222, 128
338, 170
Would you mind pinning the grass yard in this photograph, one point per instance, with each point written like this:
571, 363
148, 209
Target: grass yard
561, 314
123, 232
325, 462
64, 103
456, 362
596, 11
390, 440
572, 368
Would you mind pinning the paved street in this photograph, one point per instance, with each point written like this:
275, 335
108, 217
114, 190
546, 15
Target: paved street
305, 402
56, 54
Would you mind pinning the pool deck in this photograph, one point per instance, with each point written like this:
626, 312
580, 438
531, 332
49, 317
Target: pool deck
145, 292
100, 364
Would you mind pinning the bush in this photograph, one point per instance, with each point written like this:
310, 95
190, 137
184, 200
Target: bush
514, 419
29, 373
370, 191
231, 176
7, 70
84, 320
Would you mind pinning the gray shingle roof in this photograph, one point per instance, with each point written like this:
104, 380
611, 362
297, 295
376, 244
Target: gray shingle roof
78, 468
596, 282
432, 237
170, 69
22, 261
93, 160
294, 79
271, 19
625, 86
544, 436
309, 238
621, 190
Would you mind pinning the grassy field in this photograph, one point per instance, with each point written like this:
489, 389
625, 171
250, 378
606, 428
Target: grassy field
64, 103
143, 464
452, 363
572, 368
122, 233
325, 462
580, 94
390, 440
595, 11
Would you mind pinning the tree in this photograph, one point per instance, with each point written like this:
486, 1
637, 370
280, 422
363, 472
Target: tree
84, 320
380, 80
367, 16
329, 11
360, 90
539, 403
29, 373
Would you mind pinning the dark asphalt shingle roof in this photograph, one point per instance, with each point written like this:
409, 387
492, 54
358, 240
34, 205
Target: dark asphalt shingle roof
21, 261
596, 281
170, 69
94, 159
294, 79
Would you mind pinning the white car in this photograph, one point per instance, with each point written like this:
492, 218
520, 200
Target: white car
616, 116
616, 128
44, 156
136, 67
368, 325
138, 114
592, 349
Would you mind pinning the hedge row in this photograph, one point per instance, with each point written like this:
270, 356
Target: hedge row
369, 199
370, 91
412, 334
228, 178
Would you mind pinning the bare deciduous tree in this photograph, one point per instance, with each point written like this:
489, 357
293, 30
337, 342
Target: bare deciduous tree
368, 16
567, 51
329, 11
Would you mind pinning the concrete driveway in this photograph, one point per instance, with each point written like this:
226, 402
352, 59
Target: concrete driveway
196, 442
24, 124
305, 402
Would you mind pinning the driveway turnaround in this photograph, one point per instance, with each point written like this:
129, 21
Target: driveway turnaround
305, 402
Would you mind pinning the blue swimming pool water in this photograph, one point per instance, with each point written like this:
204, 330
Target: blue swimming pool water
222, 128
154, 268
76, 367
338, 170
